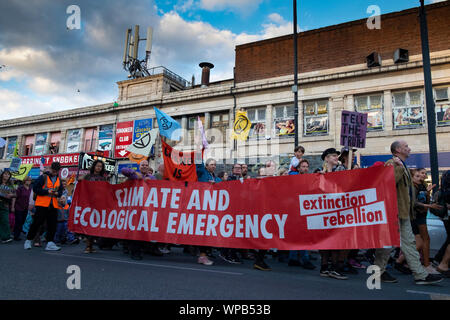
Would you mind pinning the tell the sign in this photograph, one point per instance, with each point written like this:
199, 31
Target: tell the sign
353, 129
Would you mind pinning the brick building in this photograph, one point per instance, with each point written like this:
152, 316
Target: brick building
333, 76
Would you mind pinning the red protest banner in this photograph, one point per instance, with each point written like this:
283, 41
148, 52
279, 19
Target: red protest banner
354, 209
178, 166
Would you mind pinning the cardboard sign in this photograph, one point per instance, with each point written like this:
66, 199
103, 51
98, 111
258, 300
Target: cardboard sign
353, 129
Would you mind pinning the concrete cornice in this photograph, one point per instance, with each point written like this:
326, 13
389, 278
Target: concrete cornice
224, 88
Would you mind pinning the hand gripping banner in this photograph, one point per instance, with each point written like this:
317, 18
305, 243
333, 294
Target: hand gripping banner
341, 210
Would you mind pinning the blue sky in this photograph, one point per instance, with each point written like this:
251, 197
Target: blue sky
50, 68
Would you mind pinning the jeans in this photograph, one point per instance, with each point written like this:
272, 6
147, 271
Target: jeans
18, 225
62, 232
304, 255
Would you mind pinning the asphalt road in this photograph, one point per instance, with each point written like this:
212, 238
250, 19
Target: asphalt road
37, 274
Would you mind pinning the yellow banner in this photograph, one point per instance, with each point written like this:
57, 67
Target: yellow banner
241, 126
23, 172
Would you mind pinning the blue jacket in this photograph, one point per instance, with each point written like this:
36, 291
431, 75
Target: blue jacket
204, 175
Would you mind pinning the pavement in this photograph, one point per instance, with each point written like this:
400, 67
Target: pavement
109, 274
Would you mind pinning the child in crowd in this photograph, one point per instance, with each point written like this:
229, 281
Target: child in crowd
62, 234
299, 151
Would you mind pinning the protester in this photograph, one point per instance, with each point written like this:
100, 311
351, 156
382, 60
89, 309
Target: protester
244, 169
271, 168
259, 255
97, 172
230, 254
223, 175
134, 247
48, 188
20, 205
330, 159
7, 193
421, 207
299, 151
301, 257
62, 233
405, 204
236, 172
159, 175
206, 173
441, 208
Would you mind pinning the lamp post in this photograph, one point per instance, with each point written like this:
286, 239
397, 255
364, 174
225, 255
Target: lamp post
295, 86
431, 116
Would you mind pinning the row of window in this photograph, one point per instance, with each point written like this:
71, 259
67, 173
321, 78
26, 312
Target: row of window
407, 113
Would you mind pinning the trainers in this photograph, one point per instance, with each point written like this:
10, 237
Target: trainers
204, 260
165, 250
7, 240
324, 272
27, 245
75, 241
401, 267
356, 264
261, 265
386, 277
336, 275
430, 279
431, 270
308, 265
51, 246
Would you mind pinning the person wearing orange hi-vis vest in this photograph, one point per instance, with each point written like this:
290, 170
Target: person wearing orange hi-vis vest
48, 189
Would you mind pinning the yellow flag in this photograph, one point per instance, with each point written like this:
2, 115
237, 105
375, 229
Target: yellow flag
241, 126
16, 149
23, 172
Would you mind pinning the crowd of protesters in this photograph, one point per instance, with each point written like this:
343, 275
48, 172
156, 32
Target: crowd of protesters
41, 210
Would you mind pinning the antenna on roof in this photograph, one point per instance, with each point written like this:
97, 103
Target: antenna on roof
131, 63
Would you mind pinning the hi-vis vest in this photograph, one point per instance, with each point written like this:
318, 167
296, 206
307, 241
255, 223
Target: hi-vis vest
44, 201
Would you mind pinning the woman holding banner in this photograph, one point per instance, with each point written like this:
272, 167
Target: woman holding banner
97, 173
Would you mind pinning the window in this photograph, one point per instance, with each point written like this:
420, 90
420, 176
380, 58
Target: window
192, 127
442, 106
407, 108
283, 118
2, 149
316, 118
373, 106
28, 147
10, 148
73, 140
41, 144
90, 140
219, 121
257, 117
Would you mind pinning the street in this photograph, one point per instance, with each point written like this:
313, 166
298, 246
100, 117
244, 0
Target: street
111, 275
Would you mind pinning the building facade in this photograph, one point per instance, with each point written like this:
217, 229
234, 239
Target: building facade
334, 75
